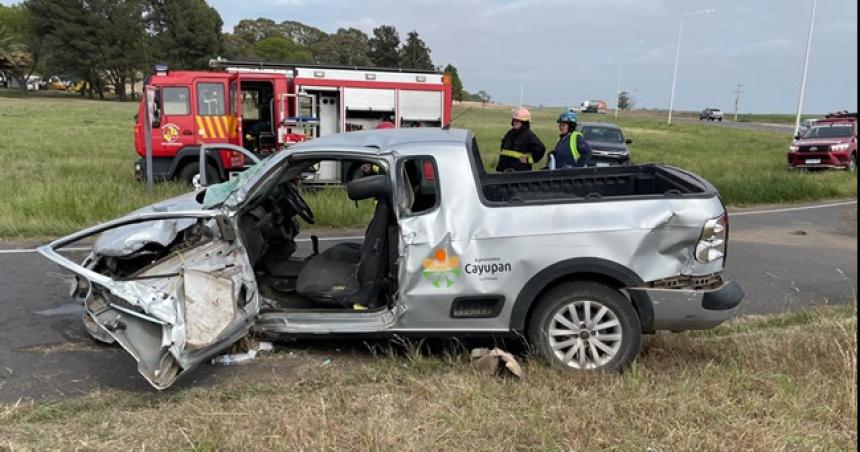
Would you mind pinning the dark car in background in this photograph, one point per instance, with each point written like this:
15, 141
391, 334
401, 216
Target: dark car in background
608, 145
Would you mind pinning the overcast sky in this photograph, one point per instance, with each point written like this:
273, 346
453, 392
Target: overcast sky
562, 52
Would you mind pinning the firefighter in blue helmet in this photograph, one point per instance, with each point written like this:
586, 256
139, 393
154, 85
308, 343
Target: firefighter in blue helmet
572, 150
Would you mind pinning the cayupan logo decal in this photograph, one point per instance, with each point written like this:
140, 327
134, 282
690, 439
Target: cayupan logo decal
170, 132
488, 268
441, 269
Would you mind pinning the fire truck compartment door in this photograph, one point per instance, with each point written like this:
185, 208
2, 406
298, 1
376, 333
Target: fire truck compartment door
421, 105
368, 99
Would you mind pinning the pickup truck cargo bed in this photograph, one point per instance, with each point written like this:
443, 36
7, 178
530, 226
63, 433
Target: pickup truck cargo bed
590, 183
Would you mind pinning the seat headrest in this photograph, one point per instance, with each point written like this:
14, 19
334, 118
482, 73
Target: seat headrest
367, 187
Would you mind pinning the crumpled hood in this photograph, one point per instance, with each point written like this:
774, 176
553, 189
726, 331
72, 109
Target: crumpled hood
128, 239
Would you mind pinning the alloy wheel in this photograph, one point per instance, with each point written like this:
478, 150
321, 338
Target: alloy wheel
585, 334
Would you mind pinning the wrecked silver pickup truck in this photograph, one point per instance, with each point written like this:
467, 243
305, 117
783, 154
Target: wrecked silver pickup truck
580, 262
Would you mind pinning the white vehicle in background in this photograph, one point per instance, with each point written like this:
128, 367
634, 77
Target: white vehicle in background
34, 83
711, 114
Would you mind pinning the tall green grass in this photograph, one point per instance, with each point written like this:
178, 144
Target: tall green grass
66, 163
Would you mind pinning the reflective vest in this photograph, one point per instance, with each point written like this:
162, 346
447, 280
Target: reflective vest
574, 150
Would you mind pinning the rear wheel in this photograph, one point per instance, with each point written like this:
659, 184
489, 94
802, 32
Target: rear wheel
585, 325
190, 174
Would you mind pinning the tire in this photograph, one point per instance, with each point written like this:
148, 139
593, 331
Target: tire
190, 172
721, 119
572, 352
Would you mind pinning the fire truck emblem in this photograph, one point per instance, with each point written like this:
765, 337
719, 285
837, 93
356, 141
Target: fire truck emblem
170, 132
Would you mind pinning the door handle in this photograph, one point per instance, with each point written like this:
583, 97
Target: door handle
187, 132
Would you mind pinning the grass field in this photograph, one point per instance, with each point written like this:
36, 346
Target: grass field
66, 163
784, 382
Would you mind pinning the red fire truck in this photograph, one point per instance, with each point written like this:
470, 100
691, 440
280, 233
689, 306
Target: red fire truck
266, 107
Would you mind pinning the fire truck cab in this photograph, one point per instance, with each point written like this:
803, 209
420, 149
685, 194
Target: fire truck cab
267, 107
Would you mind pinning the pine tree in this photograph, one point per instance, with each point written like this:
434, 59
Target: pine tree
384, 46
187, 32
415, 54
457, 91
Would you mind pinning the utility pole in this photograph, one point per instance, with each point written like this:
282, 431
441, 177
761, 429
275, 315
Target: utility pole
805, 68
738, 93
521, 95
678, 56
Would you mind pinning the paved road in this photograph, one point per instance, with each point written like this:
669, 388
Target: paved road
757, 126
784, 260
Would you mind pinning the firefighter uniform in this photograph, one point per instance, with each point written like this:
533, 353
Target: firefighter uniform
520, 147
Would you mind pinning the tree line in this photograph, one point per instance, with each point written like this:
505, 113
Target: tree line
110, 44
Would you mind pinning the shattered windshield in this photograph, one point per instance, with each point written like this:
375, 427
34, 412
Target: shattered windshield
218, 193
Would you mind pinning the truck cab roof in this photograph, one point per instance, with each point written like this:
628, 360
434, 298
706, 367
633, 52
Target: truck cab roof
385, 140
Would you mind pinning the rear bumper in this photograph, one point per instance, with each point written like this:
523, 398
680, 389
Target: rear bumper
683, 309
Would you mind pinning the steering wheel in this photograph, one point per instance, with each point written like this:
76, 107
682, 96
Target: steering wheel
298, 204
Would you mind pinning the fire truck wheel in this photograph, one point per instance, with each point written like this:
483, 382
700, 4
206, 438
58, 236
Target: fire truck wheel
190, 174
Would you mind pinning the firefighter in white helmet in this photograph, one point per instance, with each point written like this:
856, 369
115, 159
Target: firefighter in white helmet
520, 148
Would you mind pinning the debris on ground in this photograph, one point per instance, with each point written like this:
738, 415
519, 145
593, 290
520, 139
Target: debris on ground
234, 359
496, 362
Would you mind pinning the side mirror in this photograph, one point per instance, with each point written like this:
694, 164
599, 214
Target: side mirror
797, 136
628, 141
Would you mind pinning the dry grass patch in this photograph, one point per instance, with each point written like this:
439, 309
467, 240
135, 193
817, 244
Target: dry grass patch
767, 383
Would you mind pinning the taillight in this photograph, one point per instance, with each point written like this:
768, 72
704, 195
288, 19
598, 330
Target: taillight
429, 172
712, 241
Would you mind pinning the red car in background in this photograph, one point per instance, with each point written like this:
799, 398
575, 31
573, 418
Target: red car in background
830, 142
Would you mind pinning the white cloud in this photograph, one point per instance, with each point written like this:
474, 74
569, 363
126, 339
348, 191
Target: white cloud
562, 51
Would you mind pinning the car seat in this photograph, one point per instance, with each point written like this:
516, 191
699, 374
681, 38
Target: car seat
348, 273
